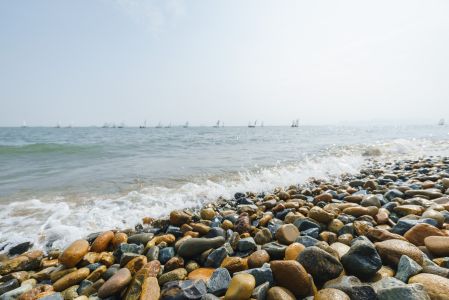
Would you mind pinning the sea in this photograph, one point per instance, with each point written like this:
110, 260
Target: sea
60, 184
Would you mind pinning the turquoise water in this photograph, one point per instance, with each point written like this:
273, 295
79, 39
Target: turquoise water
57, 184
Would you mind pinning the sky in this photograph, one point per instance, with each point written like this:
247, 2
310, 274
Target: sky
88, 62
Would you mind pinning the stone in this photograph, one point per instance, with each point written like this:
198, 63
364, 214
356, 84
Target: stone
119, 238
177, 274
179, 217
246, 245
320, 215
136, 264
166, 254
37, 292
371, 200
8, 286
263, 236
14, 294
291, 275
320, 264
352, 286
201, 273
207, 214
74, 253
196, 246
359, 211
419, 232
408, 209
153, 253
140, 238
386, 282
102, 242
71, 279
437, 245
293, 250
409, 292
263, 274
150, 289
391, 251
258, 258
279, 293
362, 259
25, 262
115, 284
407, 267
331, 294
219, 282
97, 273
184, 289
325, 197
242, 224
174, 263
275, 250
287, 234
241, 287
260, 292
216, 257
341, 248
20, 248
436, 286
234, 264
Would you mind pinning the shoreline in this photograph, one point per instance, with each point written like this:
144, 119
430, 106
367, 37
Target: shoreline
388, 219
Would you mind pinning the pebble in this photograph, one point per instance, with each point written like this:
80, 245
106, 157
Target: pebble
391, 251
177, 274
263, 236
293, 250
362, 259
320, 264
407, 267
436, 286
279, 293
179, 217
74, 253
241, 287
115, 284
331, 294
287, 234
258, 258
150, 289
218, 282
201, 273
353, 287
419, 232
291, 275
102, 242
71, 279
195, 246
437, 245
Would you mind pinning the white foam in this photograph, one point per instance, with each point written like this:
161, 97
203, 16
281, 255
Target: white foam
61, 221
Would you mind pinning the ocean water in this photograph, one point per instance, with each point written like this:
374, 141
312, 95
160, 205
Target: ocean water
59, 184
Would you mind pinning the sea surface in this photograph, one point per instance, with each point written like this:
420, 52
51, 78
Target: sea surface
59, 184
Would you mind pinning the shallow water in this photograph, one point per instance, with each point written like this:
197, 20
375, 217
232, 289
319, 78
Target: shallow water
57, 185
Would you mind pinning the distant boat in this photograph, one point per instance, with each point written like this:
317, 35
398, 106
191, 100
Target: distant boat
159, 125
261, 124
441, 122
186, 125
113, 125
24, 124
122, 125
58, 126
144, 125
252, 125
69, 126
295, 123
217, 125
105, 125
168, 126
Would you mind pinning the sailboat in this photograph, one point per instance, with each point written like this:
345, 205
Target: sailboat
217, 125
122, 125
105, 125
441, 122
252, 125
24, 124
261, 124
168, 126
186, 125
295, 123
159, 125
58, 125
144, 125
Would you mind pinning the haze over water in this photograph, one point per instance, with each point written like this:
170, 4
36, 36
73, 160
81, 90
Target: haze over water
58, 184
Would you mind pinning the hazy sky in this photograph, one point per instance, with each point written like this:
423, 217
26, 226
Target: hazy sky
95, 61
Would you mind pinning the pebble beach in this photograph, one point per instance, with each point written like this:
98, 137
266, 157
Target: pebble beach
382, 233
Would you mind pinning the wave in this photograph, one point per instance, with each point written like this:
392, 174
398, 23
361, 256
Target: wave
57, 222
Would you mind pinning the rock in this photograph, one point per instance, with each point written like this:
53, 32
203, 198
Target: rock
258, 258
184, 289
341, 248
263, 236
52, 296
437, 245
263, 274
115, 284
20, 248
179, 217
37, 292
359, 211
408, 209
14, 294
331, 294
166, 254
71, 279
201, 273
195, 246
260, 292
219, 282
287, 234
320, 215
419, 232
234, 264
25, 262
407, 267
242, 224
275, 250
150, 289
8, 285
291, 275
74, 253
177, 274
293, 250
386, 282
325, 197
352, 286
241, 287
207, 214
362, 259
320, 264
391, 251
436, 286
372, 200
409, 292
246, 245
279, 293
102, 242
140, 238
153, 253
119, 238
